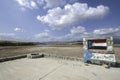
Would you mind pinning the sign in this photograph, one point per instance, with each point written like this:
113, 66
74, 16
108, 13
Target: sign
103, 57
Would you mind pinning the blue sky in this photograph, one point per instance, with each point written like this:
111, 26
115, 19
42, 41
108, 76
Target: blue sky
58, 20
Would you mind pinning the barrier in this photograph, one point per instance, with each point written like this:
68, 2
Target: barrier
12, 58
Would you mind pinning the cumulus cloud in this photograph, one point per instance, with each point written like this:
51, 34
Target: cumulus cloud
71, 14
18, 29
33, 4
27, 3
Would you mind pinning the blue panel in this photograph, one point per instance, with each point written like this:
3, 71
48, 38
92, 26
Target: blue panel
89, 44
87, 55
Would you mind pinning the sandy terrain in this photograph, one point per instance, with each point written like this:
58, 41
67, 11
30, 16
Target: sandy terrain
54, 69
66, 51
62, 51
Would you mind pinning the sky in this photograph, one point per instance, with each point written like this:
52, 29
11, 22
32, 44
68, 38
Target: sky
58, 20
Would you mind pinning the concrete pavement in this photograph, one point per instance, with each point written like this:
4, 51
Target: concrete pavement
54, 69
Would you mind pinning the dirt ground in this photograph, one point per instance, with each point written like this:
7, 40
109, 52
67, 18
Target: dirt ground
73, 51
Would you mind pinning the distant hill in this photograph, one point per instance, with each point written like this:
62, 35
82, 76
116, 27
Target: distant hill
15, 43
18, 43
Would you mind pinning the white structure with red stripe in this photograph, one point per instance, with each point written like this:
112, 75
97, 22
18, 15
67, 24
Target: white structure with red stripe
100, 48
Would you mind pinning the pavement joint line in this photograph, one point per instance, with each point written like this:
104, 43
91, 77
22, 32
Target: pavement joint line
53, 70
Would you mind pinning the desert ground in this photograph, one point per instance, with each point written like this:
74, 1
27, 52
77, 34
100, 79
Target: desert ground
62, 50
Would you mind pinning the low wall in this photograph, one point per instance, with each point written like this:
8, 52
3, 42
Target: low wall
12, 58
43, 55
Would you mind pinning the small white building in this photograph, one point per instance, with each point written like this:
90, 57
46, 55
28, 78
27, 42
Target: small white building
99, 50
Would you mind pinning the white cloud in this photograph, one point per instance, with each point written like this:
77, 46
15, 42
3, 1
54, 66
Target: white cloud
18, 29
7, 36
33, 4
47, 31
76, 33
76, 30
27, 4
105, 31
44, 36
14, 37
54, 3
71, 14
